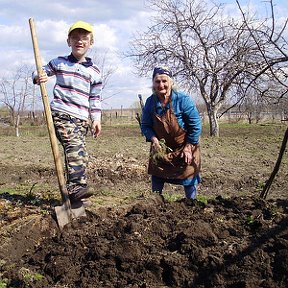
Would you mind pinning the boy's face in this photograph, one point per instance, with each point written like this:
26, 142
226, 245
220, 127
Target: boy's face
80, 41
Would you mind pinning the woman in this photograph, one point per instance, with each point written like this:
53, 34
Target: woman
171, 122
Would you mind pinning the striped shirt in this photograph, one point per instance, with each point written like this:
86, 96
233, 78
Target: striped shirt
78, 87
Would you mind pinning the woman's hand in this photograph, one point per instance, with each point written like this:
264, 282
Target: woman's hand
155, 145
187, 153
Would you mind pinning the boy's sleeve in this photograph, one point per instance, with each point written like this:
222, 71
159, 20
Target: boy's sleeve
95, 100
49, 69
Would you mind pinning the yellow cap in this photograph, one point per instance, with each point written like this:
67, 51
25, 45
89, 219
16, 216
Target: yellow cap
81, 25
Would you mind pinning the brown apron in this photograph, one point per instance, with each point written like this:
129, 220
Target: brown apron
172, 165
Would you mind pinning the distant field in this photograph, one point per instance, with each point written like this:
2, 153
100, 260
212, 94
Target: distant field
239, 161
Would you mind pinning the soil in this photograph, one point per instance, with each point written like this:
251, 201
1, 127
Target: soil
228, 237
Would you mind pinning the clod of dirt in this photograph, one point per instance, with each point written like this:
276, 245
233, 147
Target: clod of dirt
237, 242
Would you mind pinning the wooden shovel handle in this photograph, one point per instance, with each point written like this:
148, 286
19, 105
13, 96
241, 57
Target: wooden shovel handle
49, 120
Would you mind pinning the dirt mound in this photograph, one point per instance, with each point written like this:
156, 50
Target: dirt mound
237, 242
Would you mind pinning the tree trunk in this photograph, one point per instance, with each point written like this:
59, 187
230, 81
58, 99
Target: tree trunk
17, 125
267, 186
213, 121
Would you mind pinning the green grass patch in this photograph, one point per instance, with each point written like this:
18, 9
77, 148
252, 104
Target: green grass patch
202, 198
172, 197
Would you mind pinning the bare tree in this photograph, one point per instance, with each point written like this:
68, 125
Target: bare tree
253, 107
107, 70
211, 54
15, 92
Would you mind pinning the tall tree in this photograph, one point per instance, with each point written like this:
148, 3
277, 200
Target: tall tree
211, 54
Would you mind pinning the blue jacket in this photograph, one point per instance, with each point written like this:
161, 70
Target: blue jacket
184, 109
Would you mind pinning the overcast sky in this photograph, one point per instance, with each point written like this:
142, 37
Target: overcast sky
114, 23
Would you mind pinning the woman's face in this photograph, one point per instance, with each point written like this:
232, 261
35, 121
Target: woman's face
162, 85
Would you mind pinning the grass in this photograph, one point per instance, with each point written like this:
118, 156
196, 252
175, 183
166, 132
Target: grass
241, 151
29, 275
203, 199
171, 197
3, 283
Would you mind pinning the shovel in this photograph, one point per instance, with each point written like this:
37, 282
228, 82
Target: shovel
64, 213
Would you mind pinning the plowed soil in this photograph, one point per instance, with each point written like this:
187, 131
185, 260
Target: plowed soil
228, 237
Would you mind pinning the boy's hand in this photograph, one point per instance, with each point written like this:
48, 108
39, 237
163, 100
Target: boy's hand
96, 128
42, 78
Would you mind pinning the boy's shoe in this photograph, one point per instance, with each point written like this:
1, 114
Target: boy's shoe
78, 192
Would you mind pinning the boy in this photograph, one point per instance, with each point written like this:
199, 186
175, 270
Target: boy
77, 100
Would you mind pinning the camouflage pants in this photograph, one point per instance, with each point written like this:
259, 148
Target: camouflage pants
71, 133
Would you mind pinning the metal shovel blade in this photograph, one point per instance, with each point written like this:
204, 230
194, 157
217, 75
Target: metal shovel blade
64, 215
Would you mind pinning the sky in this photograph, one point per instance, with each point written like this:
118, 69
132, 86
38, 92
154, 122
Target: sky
114, 22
